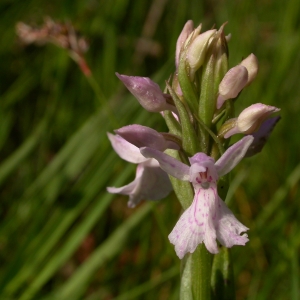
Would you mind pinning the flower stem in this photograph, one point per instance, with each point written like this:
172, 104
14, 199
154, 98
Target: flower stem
222, 279
196, 275
201, 273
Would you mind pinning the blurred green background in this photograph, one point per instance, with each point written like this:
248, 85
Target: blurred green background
62, 236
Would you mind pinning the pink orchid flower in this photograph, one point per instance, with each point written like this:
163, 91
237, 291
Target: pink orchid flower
151, 182
208, 218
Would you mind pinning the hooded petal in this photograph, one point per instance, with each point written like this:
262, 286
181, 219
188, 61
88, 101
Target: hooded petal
142, 136
202, 159
201, 162
126, 150
169, 164
229, 228
233, 155
150, 183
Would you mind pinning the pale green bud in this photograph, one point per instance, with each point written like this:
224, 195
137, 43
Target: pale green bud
197, 50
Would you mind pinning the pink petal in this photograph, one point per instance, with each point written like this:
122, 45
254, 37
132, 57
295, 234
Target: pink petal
233, 155
169, 164
229, 228
147, 92
126, 150
150, 183
142, 136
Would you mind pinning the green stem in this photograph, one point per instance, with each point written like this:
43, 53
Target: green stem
222, 279
201, 273
196, 275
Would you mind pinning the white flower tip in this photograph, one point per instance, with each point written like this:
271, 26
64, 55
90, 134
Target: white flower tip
228, 37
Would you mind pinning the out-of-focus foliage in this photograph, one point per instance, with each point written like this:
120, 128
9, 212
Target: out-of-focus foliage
62, 236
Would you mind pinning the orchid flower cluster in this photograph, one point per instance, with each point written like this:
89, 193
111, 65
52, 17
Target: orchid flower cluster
194, 157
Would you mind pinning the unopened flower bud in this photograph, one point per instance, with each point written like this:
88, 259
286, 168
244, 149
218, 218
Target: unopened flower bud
251, 118
147, 92
197, 50
142, 136
251, 64
186, 31
232, 84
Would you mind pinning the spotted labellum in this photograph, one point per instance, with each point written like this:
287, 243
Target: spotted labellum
208, 218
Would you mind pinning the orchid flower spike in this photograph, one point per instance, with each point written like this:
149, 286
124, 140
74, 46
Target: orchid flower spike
208, 218
147, 92
251, 118
150, 183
